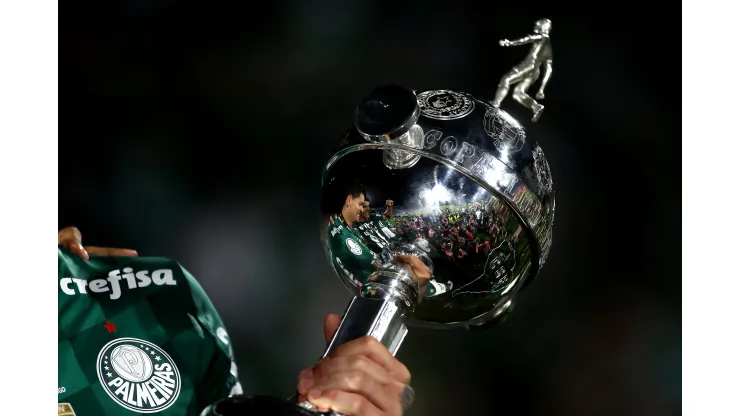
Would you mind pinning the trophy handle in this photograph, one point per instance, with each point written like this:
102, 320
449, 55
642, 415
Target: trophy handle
386, 300
379, 318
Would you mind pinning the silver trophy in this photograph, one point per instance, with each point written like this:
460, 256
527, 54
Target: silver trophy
437, 210
470, 222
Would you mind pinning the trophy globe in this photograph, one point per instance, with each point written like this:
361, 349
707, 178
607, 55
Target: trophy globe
438, 204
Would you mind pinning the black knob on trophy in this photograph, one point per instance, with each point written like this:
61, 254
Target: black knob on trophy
386, 113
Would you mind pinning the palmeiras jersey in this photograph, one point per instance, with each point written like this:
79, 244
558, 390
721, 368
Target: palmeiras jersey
138, 336
382, 225
375, 231
350, 253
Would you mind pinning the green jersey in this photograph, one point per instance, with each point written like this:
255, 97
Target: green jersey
376, 232
435, 288
382, 226
138, 336
371, 235
349, 253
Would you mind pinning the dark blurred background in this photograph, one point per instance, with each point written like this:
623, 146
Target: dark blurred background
198, 132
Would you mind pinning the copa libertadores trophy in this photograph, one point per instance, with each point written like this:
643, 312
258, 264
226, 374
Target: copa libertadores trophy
437, 209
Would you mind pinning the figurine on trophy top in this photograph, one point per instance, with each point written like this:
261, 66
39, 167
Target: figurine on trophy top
525, 73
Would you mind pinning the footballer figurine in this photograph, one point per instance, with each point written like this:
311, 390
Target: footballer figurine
527, 72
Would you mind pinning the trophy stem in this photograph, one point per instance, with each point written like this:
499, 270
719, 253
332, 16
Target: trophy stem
378, 318
386, 300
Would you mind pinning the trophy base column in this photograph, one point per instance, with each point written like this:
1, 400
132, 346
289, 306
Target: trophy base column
378, 318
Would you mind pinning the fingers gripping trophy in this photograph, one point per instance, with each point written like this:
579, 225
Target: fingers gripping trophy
464, 216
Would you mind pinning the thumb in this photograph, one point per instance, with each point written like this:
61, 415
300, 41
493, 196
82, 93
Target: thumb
331, 323
71, 239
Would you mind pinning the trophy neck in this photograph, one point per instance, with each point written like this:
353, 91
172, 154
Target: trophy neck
387, 299
393, 282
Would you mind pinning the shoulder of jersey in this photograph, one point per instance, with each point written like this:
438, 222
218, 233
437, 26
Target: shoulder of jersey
336, 229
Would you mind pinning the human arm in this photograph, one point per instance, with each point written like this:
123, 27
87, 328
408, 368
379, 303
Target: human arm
522, 41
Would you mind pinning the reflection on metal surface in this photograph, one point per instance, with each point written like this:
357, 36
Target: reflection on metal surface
400, 159
461, 202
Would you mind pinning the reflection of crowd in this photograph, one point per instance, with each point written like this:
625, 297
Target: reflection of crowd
478, 237
467, 232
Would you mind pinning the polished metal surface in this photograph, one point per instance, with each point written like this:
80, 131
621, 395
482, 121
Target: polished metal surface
450, 191
527, 72
385, 301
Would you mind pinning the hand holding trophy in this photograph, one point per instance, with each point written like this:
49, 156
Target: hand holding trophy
472, 213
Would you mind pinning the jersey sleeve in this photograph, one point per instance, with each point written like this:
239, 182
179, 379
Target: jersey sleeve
221, 375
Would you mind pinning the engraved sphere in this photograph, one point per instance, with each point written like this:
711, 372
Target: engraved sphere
447, 176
